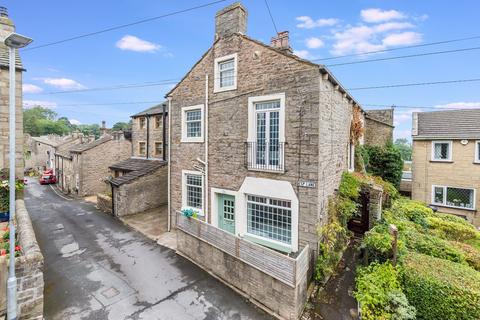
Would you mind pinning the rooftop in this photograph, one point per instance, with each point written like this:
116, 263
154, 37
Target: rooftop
79, 148
135, 168
448, 124
158, 109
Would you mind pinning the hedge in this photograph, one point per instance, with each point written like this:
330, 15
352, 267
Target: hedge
441, 289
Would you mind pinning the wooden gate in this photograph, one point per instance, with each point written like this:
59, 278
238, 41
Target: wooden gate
359, 223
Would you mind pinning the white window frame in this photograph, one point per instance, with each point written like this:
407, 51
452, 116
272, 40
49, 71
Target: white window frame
450, 151
217, 61
444, 201
477, 150
351, 157
184, 190
184, 124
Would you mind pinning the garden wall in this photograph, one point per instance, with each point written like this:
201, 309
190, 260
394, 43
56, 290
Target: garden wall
29, 271
104, 203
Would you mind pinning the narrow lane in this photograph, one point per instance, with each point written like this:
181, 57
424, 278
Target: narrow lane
96, 268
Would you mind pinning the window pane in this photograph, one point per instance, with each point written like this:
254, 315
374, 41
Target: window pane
267, 105
462, 198
226, 78
194, 191
269, 218
441, 151
194, 115
438, 195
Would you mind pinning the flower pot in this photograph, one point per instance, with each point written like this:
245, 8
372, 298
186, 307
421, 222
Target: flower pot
4, 216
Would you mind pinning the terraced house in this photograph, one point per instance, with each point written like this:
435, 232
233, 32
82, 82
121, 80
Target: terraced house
446, 161
259, 139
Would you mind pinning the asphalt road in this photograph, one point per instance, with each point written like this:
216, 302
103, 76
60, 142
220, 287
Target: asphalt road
96, 268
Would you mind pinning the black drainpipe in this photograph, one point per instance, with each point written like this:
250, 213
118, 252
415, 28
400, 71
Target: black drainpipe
164, 132
113, 199
148, 135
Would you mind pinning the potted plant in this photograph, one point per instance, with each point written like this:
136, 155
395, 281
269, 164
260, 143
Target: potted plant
191, 213
5, 195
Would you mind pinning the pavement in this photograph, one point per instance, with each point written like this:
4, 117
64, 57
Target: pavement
152, 223
98, 268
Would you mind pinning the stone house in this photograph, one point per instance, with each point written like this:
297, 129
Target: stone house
379, 127
446, 161
259, 139
81, 169
6, 28
147, 132
139, 183
40, 151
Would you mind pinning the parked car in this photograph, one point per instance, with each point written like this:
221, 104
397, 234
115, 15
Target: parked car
48, 178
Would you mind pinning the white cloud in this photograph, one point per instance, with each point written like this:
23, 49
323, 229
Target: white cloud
459, 105
375, 15
31, 88
389, 26
74, 121
302, 53
402, 39
63, 83
27, 104
307, 22
404, 116
406, 133
132, 43
314, 43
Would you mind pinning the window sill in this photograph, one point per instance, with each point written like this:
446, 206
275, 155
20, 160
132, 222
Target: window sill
192, 141
452, 207
279, 171
230, 88
442, 161
275, 245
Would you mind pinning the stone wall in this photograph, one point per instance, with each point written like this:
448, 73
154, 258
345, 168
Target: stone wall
379, 127
155, 135
284, 301
28, 269
104, 203
144, 193
93, 165
461, 172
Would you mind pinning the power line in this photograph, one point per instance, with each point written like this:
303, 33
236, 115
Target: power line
400, 48
402, 85
404, 57
271, 16
409, 107
85, 35
103, 104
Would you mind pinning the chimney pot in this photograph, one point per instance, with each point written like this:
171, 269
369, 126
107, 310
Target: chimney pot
282, 41
103, 124
230, 20
3, 12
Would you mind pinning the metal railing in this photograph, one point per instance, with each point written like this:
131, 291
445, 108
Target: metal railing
265, 156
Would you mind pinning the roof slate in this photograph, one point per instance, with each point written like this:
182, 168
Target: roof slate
158, 109
135, 168
452, 124
79, 148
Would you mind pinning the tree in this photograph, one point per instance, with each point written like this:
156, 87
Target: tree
385, 162
405, 148
121, 126
33, 115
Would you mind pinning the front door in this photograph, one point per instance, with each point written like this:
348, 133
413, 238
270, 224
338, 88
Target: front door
226, 212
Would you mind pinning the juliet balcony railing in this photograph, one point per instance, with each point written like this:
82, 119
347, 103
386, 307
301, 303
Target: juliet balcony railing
265, 156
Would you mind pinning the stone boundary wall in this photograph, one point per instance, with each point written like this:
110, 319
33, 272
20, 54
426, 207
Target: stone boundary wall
104, 203
282, 300
28, 269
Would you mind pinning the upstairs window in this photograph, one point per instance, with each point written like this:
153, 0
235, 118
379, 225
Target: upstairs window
158, 122
225, 73
192, 124
442, 151
142, 122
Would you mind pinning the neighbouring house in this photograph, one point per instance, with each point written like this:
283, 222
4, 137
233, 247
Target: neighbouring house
446, 161
139, 184
81, 169
259, 139
40, 151
379, 127
6, 28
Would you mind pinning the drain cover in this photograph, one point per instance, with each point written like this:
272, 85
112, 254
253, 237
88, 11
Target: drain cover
110, 293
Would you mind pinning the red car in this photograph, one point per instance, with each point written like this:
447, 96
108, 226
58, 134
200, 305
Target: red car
48, 178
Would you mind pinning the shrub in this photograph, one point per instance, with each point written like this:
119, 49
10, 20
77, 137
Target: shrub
441, 289
349, 186
414, 211
378, 244
471, 254
385, 162
333, 241
380, 295
452, 230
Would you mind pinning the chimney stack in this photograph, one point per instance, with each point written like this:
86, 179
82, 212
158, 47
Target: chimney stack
282, 41
6, 25
103, 128
230, 20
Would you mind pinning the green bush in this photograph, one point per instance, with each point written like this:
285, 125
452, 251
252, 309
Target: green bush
452, 230
441, 289
378, 244
385, 162
333, 241
471, 254
349, 186
380, 295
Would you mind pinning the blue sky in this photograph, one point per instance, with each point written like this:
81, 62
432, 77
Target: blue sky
167, 48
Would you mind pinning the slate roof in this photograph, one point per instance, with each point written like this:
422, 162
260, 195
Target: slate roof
451, 124
46, 141
158, 109
79, 148
135, 168
5, 58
